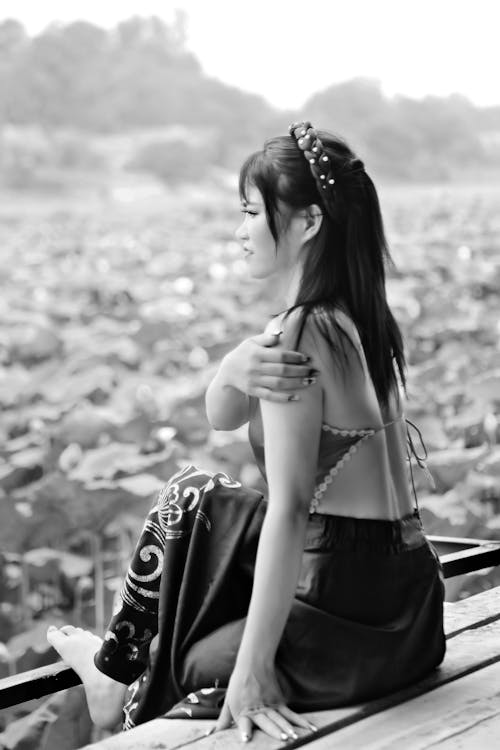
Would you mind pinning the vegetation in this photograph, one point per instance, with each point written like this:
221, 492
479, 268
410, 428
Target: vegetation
88, 82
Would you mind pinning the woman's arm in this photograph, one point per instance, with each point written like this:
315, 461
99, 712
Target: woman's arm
276, 572
291, 443
226, 406
255, 368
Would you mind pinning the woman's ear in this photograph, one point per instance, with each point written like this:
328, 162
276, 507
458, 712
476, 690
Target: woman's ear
313, 221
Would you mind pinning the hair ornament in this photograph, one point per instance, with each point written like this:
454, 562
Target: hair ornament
310, 144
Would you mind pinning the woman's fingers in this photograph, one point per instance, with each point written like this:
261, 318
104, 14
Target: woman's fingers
245, 728
285, 372
59, 641
269, 726
297, 719
267, 351
268, 395
285, 384
280, 389
279, 719
277, 723
283, 357
225, 719
71, 629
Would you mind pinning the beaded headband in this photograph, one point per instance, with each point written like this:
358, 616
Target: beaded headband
307, 140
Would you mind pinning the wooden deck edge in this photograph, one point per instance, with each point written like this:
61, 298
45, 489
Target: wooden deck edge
471, 613
467, 614
462, 714
468, 653
36, 683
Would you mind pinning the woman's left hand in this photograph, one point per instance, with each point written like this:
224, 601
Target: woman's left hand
254, 698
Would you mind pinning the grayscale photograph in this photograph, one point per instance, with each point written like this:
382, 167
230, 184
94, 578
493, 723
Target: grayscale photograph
249, 375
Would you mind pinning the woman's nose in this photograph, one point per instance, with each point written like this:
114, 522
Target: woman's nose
240, 232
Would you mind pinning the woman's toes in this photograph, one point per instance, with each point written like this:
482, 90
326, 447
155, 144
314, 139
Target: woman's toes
58, 640
67, 629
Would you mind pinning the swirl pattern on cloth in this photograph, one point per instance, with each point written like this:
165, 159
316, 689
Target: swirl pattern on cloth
129, 635
178, 512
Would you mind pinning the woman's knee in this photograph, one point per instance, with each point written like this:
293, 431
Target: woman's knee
210, 661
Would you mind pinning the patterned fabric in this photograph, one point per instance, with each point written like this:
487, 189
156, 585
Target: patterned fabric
135, 621
178, 539
366, 618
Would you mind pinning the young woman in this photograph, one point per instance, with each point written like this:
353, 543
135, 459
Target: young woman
327, 592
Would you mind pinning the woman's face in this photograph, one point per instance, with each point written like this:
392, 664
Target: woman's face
255, 236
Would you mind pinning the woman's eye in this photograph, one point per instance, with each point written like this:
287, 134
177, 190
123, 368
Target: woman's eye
247, 211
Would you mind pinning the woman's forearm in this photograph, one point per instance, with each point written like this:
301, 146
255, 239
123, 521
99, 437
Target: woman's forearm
226, 406
277, 570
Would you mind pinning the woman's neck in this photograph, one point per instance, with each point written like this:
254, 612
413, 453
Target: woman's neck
290, 283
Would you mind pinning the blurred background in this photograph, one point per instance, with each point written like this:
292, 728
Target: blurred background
122, 127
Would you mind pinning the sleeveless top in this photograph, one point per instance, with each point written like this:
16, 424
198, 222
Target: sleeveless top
337, 446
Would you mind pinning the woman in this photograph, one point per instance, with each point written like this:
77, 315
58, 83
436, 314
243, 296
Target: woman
328, 592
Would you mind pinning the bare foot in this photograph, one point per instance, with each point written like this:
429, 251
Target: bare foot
77, 648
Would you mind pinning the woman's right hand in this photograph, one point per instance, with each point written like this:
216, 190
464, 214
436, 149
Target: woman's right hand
258, 370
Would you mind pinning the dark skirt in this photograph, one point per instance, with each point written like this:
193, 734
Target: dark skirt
367, 618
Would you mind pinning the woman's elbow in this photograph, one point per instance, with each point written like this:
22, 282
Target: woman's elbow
289, 509
222, 424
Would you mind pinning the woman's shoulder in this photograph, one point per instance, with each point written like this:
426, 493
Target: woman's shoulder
316, 323
293, 325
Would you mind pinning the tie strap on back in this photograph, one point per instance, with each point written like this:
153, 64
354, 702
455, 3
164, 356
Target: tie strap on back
421, 460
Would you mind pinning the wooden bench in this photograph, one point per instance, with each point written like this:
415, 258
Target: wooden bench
473, 636
458, 705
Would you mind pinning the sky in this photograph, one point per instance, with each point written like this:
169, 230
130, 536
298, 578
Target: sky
288, 50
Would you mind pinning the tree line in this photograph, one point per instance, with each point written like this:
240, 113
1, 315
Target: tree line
140, 75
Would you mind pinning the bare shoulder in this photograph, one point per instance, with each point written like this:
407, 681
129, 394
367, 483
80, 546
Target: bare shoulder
320, 329
294, 323
275, 324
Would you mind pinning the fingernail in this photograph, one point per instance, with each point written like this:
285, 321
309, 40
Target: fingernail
52, 627
293, 397
284, 736
276, 333
311, 726
306, 359
209, 731
294, 736
308, 381
245, 737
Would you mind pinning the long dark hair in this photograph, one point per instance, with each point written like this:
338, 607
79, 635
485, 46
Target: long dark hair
345, 265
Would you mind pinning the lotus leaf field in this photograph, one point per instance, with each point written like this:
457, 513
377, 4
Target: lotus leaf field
114, 315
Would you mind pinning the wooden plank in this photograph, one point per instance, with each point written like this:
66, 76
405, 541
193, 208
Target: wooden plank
170, 734
36, 683
484, 734
473, 612
451, 543
442, 715
160, 734
468, 652
476, 558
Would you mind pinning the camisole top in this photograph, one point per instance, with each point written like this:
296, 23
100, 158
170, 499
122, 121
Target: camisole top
337, 446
